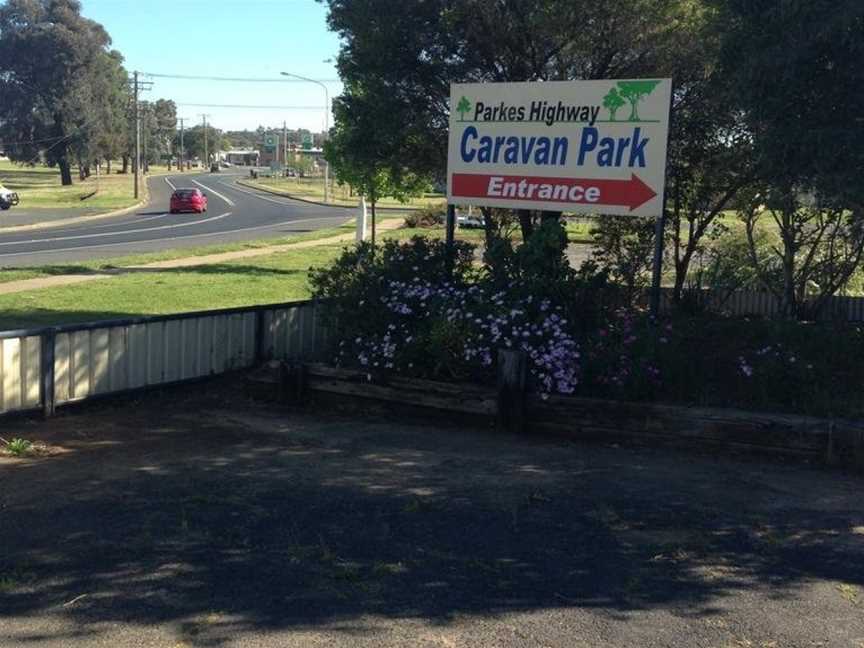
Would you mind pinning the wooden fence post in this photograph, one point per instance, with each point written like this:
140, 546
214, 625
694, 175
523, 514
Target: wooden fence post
46, 373
512, 367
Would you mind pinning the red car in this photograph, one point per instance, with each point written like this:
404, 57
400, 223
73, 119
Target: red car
188, 200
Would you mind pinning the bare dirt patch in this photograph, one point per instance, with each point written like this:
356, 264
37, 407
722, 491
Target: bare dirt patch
201, 518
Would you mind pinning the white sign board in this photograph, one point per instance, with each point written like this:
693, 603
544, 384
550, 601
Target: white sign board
596, 147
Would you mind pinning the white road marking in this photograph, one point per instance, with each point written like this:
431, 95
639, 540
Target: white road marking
132, 231
171, 238
134, 222
170, 183
236, 188
278, 202
227, 200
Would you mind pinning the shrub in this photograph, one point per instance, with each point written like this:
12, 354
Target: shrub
400, 309
426, 217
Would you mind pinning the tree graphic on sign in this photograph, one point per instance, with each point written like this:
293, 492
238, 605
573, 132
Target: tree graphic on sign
612, 102
634, 92
463, 107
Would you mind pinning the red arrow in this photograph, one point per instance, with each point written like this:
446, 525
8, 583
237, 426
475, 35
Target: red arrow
630, 193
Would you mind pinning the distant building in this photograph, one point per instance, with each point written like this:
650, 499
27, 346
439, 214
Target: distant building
242, 157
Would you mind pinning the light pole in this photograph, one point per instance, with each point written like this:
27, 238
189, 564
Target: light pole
326, 127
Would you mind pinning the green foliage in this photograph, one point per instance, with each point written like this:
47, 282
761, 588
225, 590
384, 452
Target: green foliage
18, 447
623, 248
357, 287
404, 56
426, 217
363, 151
50, 56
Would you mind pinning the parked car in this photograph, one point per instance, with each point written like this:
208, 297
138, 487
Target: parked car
7, 198
193, 200
469, 222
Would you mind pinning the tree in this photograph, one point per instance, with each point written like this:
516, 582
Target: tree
48, 54
409, 56
364, 153
193, 141
612, 102
634, 92
793, 65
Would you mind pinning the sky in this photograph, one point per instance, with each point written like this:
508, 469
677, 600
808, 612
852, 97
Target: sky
228, 38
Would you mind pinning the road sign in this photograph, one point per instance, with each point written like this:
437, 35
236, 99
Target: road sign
580, 146
271, 142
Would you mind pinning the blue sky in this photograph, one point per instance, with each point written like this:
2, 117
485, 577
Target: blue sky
231, 38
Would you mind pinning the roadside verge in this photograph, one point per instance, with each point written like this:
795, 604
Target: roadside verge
39, 283
285, 194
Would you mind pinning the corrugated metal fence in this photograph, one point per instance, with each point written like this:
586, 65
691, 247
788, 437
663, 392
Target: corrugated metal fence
42, 368
763, 304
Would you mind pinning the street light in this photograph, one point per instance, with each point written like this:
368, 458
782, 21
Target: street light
326, 127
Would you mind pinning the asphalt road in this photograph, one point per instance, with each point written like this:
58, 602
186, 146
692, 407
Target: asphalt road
235, 213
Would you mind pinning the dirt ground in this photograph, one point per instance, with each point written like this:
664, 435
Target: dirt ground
201, 518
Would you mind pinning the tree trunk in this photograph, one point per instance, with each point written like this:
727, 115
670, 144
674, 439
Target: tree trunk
790, 302
65, 171
373, 221
125, 164
108, 166
488, 226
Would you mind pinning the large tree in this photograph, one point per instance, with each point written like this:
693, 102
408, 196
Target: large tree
410, 54
48, 55
795, 66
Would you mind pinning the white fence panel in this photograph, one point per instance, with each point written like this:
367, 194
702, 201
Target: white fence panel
108, 358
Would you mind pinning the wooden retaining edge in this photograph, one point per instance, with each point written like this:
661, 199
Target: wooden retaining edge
832, 441
466, 399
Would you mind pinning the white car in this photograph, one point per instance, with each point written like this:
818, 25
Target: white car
469, 222
7, 198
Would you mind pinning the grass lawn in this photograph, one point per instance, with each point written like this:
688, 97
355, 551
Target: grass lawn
313, 189
263, 279
267, 279
39, 187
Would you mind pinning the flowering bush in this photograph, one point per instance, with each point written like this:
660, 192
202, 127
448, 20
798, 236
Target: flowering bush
392, 312
399, 309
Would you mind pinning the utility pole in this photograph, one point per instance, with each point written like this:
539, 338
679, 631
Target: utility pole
182, 157
326, 128
206, 154
137, 136
285, 144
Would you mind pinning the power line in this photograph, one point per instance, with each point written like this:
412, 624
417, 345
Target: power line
192, 77
202, 105
39, 141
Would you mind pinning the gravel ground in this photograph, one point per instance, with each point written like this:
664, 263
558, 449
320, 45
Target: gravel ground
204, 519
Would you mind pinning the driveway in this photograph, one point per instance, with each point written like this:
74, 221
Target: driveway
202, 518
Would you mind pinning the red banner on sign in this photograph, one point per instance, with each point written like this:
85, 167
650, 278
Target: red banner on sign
627, 193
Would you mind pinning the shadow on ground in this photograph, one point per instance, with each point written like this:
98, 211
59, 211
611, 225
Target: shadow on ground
206, 516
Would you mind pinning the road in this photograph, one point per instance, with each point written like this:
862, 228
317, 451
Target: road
235, 213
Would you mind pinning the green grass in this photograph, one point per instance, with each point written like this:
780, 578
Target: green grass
246, 282
39, 187
313, 189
